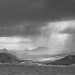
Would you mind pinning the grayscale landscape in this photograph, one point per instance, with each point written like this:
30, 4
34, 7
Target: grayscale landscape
10, 65
37, 37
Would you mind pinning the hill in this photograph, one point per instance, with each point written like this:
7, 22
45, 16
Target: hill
68, 60
8, 58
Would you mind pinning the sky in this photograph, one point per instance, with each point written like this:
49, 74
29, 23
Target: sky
25, 17
37, 26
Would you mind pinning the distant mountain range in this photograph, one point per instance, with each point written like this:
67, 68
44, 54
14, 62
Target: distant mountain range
9, 58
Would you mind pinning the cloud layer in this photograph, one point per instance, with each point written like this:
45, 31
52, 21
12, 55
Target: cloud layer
15, 11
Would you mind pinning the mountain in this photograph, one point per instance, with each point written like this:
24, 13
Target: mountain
68, 60
8, 58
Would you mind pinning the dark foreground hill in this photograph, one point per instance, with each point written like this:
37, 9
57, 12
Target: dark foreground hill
8, 58
68, 60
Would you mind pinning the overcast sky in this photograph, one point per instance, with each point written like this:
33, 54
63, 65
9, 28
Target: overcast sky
26, 14
39, 20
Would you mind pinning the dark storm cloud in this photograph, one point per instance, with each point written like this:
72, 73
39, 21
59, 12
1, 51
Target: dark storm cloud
24, 29
11, 10
16, 12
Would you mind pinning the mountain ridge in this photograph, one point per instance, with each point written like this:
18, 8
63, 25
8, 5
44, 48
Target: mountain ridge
67, 60
7, 57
